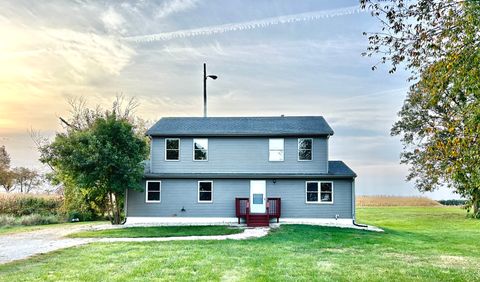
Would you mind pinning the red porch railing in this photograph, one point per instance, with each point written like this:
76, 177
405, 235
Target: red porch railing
242, 208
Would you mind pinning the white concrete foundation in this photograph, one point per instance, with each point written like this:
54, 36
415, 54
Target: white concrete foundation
163, 221
181, 221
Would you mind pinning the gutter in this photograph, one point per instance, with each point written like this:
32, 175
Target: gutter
246, 175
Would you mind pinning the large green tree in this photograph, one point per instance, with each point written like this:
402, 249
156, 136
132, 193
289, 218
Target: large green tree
439, 42
101, 156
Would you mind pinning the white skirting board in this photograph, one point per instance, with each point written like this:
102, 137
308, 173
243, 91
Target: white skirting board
181, 220
229, 220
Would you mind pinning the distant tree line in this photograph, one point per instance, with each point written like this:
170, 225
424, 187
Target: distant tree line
21, 179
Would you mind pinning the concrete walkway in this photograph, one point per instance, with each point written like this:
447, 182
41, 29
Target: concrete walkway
23, 245
248, 233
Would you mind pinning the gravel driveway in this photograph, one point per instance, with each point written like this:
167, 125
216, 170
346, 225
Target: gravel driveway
22, 245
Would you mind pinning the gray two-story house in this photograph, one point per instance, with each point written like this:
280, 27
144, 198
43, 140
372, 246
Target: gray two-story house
242, 169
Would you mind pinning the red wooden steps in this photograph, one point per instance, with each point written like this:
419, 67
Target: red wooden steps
257, 220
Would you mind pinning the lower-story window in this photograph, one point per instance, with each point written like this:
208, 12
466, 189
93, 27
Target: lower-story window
205, 191
153, 191
319, 192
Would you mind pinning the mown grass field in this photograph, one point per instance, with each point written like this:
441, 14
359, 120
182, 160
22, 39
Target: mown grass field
157, 231
419, 244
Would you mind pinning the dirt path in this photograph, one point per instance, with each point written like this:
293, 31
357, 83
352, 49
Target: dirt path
23, 245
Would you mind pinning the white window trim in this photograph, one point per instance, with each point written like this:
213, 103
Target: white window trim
193, 150
178, 149
198, 192
269, 150
298, 151
146, 192
319, 202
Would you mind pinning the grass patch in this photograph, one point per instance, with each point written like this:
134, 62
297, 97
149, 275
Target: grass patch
157, 231
419, 244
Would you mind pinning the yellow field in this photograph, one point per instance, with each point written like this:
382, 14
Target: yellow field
385, 201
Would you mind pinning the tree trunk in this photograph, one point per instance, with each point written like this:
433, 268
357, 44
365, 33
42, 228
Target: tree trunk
110, 209
117, 206
114, 208
476, 204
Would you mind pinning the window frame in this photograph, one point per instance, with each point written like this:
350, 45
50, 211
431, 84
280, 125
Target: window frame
159, 191
193, 150
179, 145
198, 192
270, 150
319, 201
298, 150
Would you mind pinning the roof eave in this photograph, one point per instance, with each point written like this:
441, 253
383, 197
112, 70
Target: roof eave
247, 176
161, 134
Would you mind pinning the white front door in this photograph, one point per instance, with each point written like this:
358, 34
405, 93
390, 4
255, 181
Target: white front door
258, 197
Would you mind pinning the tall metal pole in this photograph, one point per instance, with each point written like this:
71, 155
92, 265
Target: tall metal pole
204, 90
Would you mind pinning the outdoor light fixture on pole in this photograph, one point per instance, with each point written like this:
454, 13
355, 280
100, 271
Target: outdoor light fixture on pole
205, 76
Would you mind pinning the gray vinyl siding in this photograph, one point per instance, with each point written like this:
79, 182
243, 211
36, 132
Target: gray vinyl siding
239, 154
183, 193
293, 195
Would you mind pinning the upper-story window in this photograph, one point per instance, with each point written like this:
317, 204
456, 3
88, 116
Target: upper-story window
172, 149
200, 149
276, 149
305, 149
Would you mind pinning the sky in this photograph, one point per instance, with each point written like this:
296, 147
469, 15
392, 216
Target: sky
272, 58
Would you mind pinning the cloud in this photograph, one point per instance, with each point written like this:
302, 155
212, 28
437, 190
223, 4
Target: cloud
175, 6
113, 21
248, 25
39, 66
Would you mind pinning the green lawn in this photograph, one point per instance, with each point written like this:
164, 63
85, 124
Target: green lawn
158, 231
431, 243
6, 230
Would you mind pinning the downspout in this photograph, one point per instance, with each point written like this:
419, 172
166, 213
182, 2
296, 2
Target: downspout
353, 206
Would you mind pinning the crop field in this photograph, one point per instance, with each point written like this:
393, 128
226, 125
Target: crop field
391, 201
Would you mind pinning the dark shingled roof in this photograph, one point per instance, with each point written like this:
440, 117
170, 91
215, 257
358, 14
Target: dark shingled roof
241, 126
340, 168
336, 170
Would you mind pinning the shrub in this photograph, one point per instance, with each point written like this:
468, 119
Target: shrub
32, 219
453, 202
36, 219
7, 220
21, 204
82, 216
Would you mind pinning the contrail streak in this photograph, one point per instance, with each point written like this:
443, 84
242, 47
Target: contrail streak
249, 25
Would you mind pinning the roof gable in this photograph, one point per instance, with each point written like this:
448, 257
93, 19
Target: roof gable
241, 126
